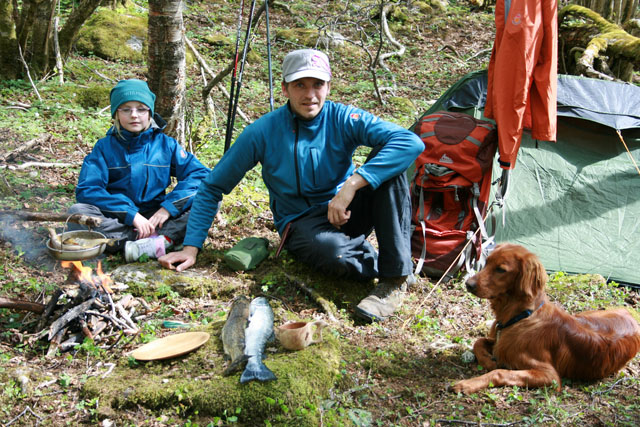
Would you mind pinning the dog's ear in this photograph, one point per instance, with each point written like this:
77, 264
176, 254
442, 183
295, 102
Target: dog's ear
533, 276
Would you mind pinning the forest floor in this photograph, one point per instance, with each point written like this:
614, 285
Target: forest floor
395, 373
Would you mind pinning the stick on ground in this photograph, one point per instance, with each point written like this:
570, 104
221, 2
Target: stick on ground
89, 221
326, 305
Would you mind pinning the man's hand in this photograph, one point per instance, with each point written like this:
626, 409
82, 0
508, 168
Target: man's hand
159, 218
184, 258
143, 226
337, 212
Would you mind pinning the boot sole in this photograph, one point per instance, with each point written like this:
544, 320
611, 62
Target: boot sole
370, 318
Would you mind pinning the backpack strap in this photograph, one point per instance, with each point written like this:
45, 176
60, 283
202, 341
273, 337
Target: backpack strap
488, 240
423, 226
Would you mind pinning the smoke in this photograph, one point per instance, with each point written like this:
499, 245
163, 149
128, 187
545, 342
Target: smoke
26, 242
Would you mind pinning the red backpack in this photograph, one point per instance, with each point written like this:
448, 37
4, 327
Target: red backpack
450, 191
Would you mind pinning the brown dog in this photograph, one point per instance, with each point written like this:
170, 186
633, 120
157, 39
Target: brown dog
536, 343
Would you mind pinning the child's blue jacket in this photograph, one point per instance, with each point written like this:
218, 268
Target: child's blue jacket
126, 175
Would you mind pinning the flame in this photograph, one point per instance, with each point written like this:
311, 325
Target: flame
85, 274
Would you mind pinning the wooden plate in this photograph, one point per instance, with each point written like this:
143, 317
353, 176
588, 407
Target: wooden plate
171, 346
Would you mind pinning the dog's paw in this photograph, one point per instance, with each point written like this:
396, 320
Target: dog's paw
457, 387
464, 386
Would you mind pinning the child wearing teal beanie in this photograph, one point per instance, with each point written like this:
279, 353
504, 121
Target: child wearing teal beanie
126, 178
132, 90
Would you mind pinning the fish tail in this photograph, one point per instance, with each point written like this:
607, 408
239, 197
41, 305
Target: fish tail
262, 373
235, 365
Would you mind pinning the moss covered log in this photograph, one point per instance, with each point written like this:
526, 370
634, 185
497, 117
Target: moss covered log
588, 41
193, 384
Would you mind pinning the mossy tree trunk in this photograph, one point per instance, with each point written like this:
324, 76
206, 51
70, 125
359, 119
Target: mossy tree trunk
27, 27
167, 63
595, 47
74, 22
616, 11
38, 53
8, 42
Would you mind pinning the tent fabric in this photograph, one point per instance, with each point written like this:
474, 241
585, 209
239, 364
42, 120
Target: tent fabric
575, 203
613, 104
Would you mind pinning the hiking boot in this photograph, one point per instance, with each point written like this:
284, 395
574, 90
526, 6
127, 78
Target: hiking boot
385, 298
153, 247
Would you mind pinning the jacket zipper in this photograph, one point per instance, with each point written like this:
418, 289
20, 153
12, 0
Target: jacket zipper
295, 158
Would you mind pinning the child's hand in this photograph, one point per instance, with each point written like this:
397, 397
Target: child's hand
159, 218
143, 226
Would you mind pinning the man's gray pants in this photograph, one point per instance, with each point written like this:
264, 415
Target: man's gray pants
345, 252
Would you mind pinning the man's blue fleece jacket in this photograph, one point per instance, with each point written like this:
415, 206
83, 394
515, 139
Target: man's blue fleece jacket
304, 163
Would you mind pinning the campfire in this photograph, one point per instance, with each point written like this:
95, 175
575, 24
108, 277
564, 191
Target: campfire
87, 307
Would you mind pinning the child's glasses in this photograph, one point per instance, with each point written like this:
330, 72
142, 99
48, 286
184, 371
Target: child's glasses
129, 111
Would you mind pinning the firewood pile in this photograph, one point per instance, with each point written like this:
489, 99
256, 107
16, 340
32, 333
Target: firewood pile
86, 306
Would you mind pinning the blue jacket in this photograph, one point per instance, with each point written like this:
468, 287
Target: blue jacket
124, 176
304, 163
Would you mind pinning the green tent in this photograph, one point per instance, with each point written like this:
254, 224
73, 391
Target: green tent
576, 202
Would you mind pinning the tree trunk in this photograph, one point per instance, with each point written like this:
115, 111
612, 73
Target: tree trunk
8, 42
616, 11
25, 23
71, 28
167, 63
38, 56
28, 25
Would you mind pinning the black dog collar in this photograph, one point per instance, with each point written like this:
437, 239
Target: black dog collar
518, 317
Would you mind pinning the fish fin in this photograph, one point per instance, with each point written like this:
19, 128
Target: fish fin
261, 374
235, 365
272, 337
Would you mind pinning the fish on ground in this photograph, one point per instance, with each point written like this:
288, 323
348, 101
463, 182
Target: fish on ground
233, 334
257, 334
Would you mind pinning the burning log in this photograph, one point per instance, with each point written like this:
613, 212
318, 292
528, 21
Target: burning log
70, 315
84, 307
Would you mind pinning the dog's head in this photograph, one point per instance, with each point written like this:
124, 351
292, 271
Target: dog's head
510, 270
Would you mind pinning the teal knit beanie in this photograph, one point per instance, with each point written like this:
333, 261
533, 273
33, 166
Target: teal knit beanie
131, 90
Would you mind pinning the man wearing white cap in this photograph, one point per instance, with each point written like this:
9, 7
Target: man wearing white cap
322, 204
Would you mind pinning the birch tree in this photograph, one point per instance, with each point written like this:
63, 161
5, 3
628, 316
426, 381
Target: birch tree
167, 63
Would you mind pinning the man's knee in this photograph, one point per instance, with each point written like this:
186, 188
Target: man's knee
329, 247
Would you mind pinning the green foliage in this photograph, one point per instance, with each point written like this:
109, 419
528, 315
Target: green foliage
89, 348
89, 407
194, 384
11, 390
585, 292
64, 380
94, 96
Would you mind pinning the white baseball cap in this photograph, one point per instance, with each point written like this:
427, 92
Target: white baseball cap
306, 63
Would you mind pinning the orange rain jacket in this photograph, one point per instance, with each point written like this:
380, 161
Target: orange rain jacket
522, 90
